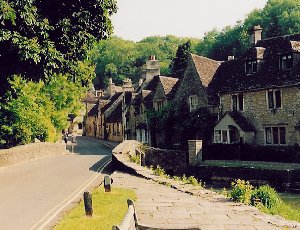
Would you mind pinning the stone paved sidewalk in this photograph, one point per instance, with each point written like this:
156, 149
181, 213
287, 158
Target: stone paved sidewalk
180, 206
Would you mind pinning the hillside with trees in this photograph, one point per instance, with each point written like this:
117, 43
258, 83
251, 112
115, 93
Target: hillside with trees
117, 58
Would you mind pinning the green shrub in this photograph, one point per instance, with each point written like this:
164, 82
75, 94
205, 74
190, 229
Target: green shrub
267, 196
241, 191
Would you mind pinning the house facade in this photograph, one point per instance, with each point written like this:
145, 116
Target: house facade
259, 93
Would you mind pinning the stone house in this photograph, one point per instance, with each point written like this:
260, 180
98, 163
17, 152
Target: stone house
192, 98
110, 119
259, 93
151, 94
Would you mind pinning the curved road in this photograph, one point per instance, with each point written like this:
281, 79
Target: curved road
34, 194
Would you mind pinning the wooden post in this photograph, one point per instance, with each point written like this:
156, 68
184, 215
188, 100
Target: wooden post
107, 183
88, 205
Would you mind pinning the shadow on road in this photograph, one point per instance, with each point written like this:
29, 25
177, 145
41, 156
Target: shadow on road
85, 146
95, 167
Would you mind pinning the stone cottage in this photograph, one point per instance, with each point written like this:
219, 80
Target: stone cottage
259, 93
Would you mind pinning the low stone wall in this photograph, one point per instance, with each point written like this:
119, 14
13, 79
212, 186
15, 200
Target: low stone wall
30, 151
173, 161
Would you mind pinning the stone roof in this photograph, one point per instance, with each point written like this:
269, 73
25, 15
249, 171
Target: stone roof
90, 98
231, 76
112, 100
115, 115
205, 67
240, 120
168, 83
93, 111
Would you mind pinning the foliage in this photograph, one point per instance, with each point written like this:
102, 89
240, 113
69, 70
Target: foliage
108, 209
43, 37
42, 41
180, 61
127, 58
37, 110
266, 196
278, 17
241, 191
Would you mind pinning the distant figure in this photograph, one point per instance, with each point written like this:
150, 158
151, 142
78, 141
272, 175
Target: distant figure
66, 138
73, 137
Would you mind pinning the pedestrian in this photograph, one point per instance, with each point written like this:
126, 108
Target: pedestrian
66, 138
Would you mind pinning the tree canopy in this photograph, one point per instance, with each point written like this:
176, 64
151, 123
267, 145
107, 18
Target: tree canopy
118, 58
277, 18
44, 63
42, 37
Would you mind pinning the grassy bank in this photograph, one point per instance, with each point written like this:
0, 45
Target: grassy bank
109, 209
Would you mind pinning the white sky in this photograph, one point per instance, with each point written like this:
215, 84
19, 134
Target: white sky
137, 19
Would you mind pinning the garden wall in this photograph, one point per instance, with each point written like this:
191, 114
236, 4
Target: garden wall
30, 151
252, 153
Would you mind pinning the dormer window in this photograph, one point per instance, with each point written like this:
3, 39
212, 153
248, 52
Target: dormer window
286, 61
251, 66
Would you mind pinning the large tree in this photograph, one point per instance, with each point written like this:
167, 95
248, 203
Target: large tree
44, 64
42, 37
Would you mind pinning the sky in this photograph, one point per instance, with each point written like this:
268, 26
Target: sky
137, 19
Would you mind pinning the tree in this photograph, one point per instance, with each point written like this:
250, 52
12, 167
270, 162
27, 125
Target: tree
130, 57
42, 37
180, 62
278, 17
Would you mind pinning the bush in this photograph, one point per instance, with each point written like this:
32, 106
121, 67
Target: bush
266, 196
241, 191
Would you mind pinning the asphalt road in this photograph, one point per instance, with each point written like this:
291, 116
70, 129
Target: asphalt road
34, 194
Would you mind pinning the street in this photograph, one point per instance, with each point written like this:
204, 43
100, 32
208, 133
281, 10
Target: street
34, 194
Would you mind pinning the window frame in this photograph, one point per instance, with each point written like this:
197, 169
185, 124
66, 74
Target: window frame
251, 66
274, 103
193, 102
237, 104
288, 63
275, 135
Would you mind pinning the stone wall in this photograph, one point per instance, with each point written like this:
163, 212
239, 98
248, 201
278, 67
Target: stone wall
174, 162
29, 152
256, 109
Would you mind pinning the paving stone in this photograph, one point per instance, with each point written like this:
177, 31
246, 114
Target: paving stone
164, 207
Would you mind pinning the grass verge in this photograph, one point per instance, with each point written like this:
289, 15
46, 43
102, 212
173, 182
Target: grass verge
108, 209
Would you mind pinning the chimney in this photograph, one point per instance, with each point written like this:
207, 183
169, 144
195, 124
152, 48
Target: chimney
111, 87
254, 35
127, 85
152, 67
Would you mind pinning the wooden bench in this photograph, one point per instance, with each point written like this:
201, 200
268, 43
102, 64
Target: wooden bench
130, 221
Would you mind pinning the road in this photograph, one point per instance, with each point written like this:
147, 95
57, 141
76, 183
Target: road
34, 194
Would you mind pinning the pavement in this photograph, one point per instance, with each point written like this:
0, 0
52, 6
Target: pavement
168, 204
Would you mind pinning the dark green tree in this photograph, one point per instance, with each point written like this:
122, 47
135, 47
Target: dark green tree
42, 37
180, 61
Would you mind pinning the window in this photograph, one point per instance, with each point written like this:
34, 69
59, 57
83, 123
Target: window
227, 136
193, 102
159, 105
274, 99
237, 102
275, 135
251, 66
286, 61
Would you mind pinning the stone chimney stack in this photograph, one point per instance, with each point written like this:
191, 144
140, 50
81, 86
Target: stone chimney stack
111, 87
152, 67
127, 85
254, 35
